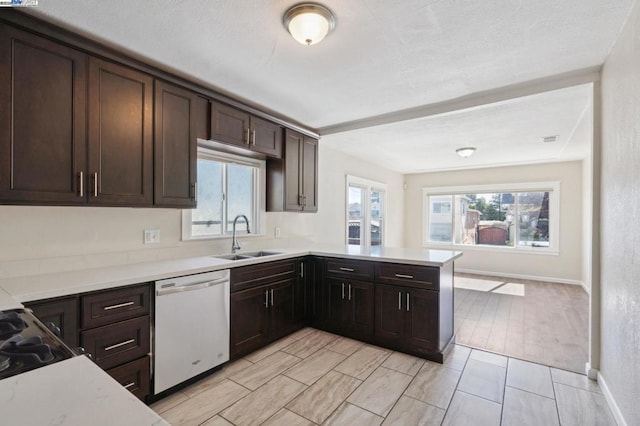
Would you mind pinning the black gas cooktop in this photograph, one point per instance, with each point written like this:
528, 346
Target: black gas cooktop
27, 344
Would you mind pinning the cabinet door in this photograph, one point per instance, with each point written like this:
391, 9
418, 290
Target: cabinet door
292, 178
360, 297
176, 146
421, 320
248, 320
390, 314
120, 135
266, 137
63, 313
337, 313
203, 118
280, 309
309, 175
42, 120
229, 125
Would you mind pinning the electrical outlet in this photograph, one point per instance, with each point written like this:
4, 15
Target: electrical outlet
151, 236
276, 232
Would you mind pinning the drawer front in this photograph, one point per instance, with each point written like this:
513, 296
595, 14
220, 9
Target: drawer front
134, 376
353, 269
114, 305
264, 273
115, 344
426, 277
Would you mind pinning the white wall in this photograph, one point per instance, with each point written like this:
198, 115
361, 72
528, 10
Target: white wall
620, 212
565, 267
48, 239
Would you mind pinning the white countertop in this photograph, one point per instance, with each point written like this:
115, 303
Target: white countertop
71, 392
37, 287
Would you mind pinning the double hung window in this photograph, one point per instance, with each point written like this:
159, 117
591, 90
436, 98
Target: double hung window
366, 204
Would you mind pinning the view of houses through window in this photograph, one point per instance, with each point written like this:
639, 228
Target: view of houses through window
511, 219
365, 212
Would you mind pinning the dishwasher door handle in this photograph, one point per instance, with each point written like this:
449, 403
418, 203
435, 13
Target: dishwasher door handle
189, 287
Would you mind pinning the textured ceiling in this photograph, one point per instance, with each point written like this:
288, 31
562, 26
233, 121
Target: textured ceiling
384, 55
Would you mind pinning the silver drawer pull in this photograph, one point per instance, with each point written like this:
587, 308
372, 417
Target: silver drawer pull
120, 305
407, 302
399, 300
409, 277
128, 385
342, 291
117, 345
347, 269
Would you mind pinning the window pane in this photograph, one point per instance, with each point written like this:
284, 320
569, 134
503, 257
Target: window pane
240, 194
489, 219
377, 209
207, 218
355, 215
533, 219
440, 218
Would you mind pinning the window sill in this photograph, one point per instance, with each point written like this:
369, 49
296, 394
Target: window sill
222, 237
494, 249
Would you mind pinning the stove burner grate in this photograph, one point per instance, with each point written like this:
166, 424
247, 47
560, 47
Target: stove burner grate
10, 324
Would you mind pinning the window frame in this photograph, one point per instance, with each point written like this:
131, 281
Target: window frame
258, 213
369, 186
553, 187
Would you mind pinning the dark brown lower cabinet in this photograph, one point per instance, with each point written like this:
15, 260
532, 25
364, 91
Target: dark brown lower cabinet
350, 308
63, 314
407, 318
134, 376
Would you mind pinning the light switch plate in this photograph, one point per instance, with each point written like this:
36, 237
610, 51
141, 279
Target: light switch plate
276, 232
151, 236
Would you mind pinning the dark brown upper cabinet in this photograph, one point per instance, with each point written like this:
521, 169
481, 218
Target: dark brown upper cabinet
236, 127
292, 183
42, 120
120, 168
176, 146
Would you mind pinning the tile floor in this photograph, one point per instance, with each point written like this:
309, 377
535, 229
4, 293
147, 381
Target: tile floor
313, 377
542, 322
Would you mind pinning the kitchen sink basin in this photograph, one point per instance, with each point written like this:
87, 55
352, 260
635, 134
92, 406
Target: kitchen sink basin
232, 257
248, 255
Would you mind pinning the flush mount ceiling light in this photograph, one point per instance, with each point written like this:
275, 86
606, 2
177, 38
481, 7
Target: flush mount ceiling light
309, 23
466, 151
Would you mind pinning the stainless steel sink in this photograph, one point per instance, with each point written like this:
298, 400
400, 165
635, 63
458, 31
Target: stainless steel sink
261, 253
232, 257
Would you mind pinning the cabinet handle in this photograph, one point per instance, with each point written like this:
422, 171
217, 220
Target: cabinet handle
247, 135
119, 305
407, 302
302, 270
194, 188
347, 269
266, 298
399, 300
95, 184
117, 345
342, 291
349, 291
253, 137
128, 385
271, 297
81, 184
408, 277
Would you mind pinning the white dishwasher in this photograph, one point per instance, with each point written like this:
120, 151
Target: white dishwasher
191, 332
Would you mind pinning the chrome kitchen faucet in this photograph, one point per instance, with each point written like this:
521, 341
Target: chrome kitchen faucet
235, 245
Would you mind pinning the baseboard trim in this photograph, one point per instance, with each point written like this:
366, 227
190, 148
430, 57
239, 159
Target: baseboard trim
524, 277
615, 410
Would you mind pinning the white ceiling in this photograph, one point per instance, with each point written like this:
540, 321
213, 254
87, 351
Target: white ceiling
384, 56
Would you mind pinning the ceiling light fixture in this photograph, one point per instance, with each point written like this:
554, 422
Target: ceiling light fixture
309, 23
466, 151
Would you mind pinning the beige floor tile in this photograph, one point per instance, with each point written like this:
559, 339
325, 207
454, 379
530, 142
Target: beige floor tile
434, 384
169, 402
363, 362
466, 409
274, 347
323, 397
409, 411
582, 408
344, 345
349, 414
217, 377
264, 402
522, 408
483, 379
264, 370
457, 358
403, 363
573, 379
216, 421
310, 344
206, 404
380, 391
315, 366
488, 357
288, 418
530, 377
